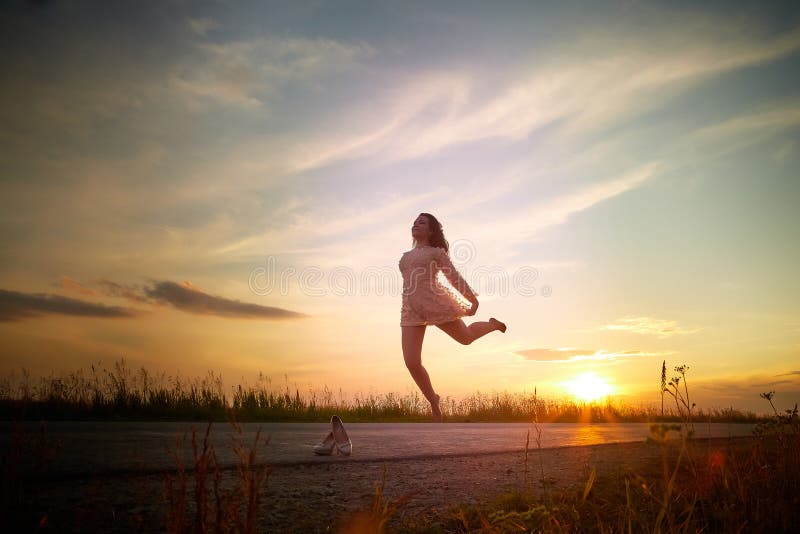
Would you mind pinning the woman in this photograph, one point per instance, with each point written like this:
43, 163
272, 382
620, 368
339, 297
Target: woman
428, 302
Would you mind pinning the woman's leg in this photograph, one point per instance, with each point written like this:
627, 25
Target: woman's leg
467, 334
412, 354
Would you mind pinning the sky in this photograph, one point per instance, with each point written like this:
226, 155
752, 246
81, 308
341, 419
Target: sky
228, 187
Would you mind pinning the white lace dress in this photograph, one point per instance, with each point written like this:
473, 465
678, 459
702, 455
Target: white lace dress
425, 300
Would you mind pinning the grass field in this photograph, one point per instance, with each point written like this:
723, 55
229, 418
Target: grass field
121, 393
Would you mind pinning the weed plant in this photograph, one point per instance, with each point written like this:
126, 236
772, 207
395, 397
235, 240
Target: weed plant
198, 500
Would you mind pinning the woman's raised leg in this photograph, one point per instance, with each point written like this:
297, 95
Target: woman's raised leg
412, 354
464, 334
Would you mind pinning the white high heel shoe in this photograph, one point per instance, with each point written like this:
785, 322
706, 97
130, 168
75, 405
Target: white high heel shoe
343, 443
325, 447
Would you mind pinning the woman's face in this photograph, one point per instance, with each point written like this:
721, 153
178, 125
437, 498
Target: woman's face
421, 230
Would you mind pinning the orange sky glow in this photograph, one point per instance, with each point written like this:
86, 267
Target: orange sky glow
200, 188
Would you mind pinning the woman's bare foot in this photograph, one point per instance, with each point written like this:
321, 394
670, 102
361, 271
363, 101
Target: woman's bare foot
436, 413
498, 325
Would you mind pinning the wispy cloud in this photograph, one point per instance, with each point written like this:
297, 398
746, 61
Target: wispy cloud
244, 73
318, 235
569, 355
130, 292
749, 387
74, 286
553, 355
774, 383
661, 328
790, 373
523, 225
202, 26
558, 210
188, 298
15, 306
439, 109
740, 131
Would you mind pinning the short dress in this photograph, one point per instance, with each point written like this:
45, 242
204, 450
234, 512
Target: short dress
425, 300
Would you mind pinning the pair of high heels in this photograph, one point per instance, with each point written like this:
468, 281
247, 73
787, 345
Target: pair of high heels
336, 439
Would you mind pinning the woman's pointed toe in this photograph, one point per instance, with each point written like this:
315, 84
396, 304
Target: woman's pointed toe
498, 324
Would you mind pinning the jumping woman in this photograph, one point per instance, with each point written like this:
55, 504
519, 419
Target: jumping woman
427, 302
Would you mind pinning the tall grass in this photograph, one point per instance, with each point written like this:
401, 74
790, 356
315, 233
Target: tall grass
121, 392
197, 499
200, 496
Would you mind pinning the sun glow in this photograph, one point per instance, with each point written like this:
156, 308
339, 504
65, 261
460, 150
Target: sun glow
588, 387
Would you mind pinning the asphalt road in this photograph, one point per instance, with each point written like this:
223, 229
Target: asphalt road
74, 449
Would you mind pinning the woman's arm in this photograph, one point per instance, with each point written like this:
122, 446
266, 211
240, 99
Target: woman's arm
444, 264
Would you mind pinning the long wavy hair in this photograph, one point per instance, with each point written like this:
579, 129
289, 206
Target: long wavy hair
437, 237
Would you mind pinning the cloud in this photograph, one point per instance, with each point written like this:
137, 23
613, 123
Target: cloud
438, 109
202, 26
790, 373
743, 130
773, 383
521, 226
553, 355
748, 386
15, 306
558, 210
661, 328
72, 285
244, 73
186, 297
576, 355
130, 292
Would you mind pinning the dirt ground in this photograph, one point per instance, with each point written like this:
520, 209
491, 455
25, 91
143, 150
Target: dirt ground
320, 497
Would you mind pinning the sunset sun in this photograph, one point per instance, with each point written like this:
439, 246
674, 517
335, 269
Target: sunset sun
588, 387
